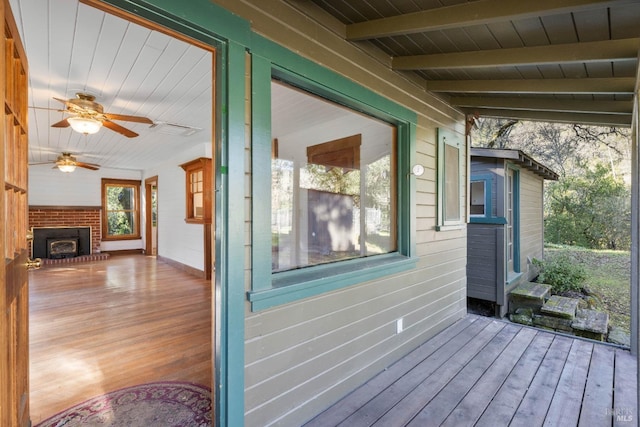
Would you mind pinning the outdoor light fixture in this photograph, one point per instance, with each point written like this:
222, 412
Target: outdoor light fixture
67, 168
417, 170
85, 125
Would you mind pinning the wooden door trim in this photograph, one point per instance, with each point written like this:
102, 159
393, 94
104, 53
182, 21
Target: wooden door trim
148, 217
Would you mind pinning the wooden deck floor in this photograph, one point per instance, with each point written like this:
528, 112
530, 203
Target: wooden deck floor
488, 372
101, 326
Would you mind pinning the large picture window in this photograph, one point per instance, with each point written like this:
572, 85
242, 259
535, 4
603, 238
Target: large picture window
333, 182
339, 191
120, 209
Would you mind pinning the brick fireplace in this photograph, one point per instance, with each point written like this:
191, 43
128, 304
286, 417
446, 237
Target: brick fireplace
68, 216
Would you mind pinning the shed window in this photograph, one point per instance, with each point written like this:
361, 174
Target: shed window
478, 198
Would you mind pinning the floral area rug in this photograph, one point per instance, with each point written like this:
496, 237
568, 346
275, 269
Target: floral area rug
161, 404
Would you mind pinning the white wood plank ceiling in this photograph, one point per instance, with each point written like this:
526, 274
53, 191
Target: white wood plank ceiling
131, 70
551, 60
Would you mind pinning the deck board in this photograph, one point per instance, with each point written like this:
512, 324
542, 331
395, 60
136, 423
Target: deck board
599, 388
345, 407
471, 407
567, 400
624, 391
436, 411
489, 372
413, 402
537, 399
399, 390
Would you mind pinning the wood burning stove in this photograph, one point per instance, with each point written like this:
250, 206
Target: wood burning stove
61, 242
66, 247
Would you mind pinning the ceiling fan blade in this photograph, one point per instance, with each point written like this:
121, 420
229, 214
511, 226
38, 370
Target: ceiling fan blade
64, 101
91, 166
41, 163
117, 128
126, 118
61, 124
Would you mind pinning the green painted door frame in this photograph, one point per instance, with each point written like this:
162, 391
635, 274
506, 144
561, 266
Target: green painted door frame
230, 36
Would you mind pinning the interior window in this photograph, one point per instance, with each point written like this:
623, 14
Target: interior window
120, 209
333, 182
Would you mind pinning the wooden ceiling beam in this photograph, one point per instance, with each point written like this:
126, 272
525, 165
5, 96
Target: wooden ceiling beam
616, 85
621, 120
542, 104
468, 14
598, 51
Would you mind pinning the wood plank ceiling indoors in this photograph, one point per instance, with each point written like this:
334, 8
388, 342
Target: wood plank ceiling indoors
549, 60
131, 70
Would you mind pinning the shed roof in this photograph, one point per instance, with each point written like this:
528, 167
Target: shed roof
519, 157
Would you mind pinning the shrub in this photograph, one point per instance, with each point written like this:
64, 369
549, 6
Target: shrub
562, 273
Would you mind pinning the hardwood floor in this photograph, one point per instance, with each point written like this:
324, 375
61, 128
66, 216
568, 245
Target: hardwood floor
100, 326
488, 372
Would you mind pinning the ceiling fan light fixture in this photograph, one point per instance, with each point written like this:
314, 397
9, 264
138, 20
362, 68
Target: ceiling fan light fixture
85, 125
67, 168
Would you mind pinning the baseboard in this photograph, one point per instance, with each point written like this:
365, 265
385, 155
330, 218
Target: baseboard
183, 267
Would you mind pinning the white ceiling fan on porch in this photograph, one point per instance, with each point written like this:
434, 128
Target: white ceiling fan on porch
68, 163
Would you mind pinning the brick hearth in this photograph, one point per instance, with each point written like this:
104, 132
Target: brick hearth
69, 216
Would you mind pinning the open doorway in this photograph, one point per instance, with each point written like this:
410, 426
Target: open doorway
135, 68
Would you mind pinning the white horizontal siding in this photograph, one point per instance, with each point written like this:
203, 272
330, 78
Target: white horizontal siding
531, 221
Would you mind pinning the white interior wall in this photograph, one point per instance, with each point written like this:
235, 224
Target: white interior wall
177, 240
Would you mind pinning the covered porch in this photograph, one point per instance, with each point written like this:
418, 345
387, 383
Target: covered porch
487, 372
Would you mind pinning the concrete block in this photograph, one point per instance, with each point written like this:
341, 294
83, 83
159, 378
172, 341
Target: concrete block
558, 306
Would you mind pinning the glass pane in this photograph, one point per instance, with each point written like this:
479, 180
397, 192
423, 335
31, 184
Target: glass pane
198, 205
331, 189
120, 223
120, 198
451, 183
477, 198
379, 207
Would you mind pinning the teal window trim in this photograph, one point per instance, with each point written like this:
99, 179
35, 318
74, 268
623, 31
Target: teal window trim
488, 217
271, 289
484, 220
293, 285
446, 137
516, 216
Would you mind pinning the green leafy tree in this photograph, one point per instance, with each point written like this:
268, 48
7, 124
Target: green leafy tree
120, 206
592, 210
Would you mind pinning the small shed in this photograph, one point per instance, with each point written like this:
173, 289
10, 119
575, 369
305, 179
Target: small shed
506, 222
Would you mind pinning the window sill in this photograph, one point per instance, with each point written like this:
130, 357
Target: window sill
487, 220
197, 220
512, 277
294, 285
450, 227
115, 239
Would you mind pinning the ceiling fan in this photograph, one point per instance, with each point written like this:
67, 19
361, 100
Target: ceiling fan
68, 163
87, 116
